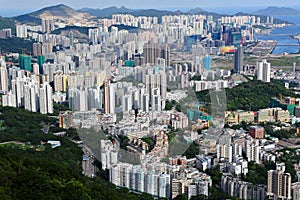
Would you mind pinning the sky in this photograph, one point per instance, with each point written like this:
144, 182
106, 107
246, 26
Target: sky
16, 7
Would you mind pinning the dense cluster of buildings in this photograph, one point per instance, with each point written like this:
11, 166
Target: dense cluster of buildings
119, 81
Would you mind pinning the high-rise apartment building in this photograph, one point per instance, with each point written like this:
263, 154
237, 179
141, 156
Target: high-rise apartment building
46, 102
25, 62
279, 185
21, 31
206, 62
263, 71
37, 49
47, 25
153, 51
238, 59
3, 79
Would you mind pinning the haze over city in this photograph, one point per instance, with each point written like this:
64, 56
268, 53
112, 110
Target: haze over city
14, 7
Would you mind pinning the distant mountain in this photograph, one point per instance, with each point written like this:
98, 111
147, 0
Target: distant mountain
66, 13
273, 11
196, 11
108, 12
60, 11
263, 18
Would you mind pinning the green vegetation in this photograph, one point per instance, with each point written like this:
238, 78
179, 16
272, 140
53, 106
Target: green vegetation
215, 174
7, 23
124, 27
57, 107
280, 134
124, 140
196, 78
24, 126
131, 80
28, 19
192, 151
171, 133
150, 142
16, 45
290, 157
178, 107
29, 173
244, 125
170, 105
214, 191
226, 62
284, 61
258, 174
82, 30
251, 95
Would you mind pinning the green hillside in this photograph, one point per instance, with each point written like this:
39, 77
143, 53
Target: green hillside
7, 23
15, 45
256, 94
34, 170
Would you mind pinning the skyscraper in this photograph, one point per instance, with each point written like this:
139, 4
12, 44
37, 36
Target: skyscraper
263, 71
206, 62
25, 62
46, 102
165, 54
152, 51
279, 185
106, 98
40, 62
4, 79
238, 59
21, 31
47, 25
37, 49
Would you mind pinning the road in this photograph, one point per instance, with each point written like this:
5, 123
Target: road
88, 167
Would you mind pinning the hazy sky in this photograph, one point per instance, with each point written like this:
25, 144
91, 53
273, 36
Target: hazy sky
18, 7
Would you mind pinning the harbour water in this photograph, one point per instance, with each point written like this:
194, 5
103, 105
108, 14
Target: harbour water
283, 37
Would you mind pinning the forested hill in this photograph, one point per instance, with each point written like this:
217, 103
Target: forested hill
31, 169
252, 95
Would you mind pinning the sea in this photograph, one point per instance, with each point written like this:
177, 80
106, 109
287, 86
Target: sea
283, 35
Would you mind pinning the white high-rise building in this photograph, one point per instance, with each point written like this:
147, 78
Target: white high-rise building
112, 96
120, 174
252, 151
46, 101
137, 178
279, 185
47, 25
224, 151
4, 79
49, 98
43, 101
27, 97
263, 71
164, 186
33, 99
109, 155
145, 103
21, 31
296, 190
127, 102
